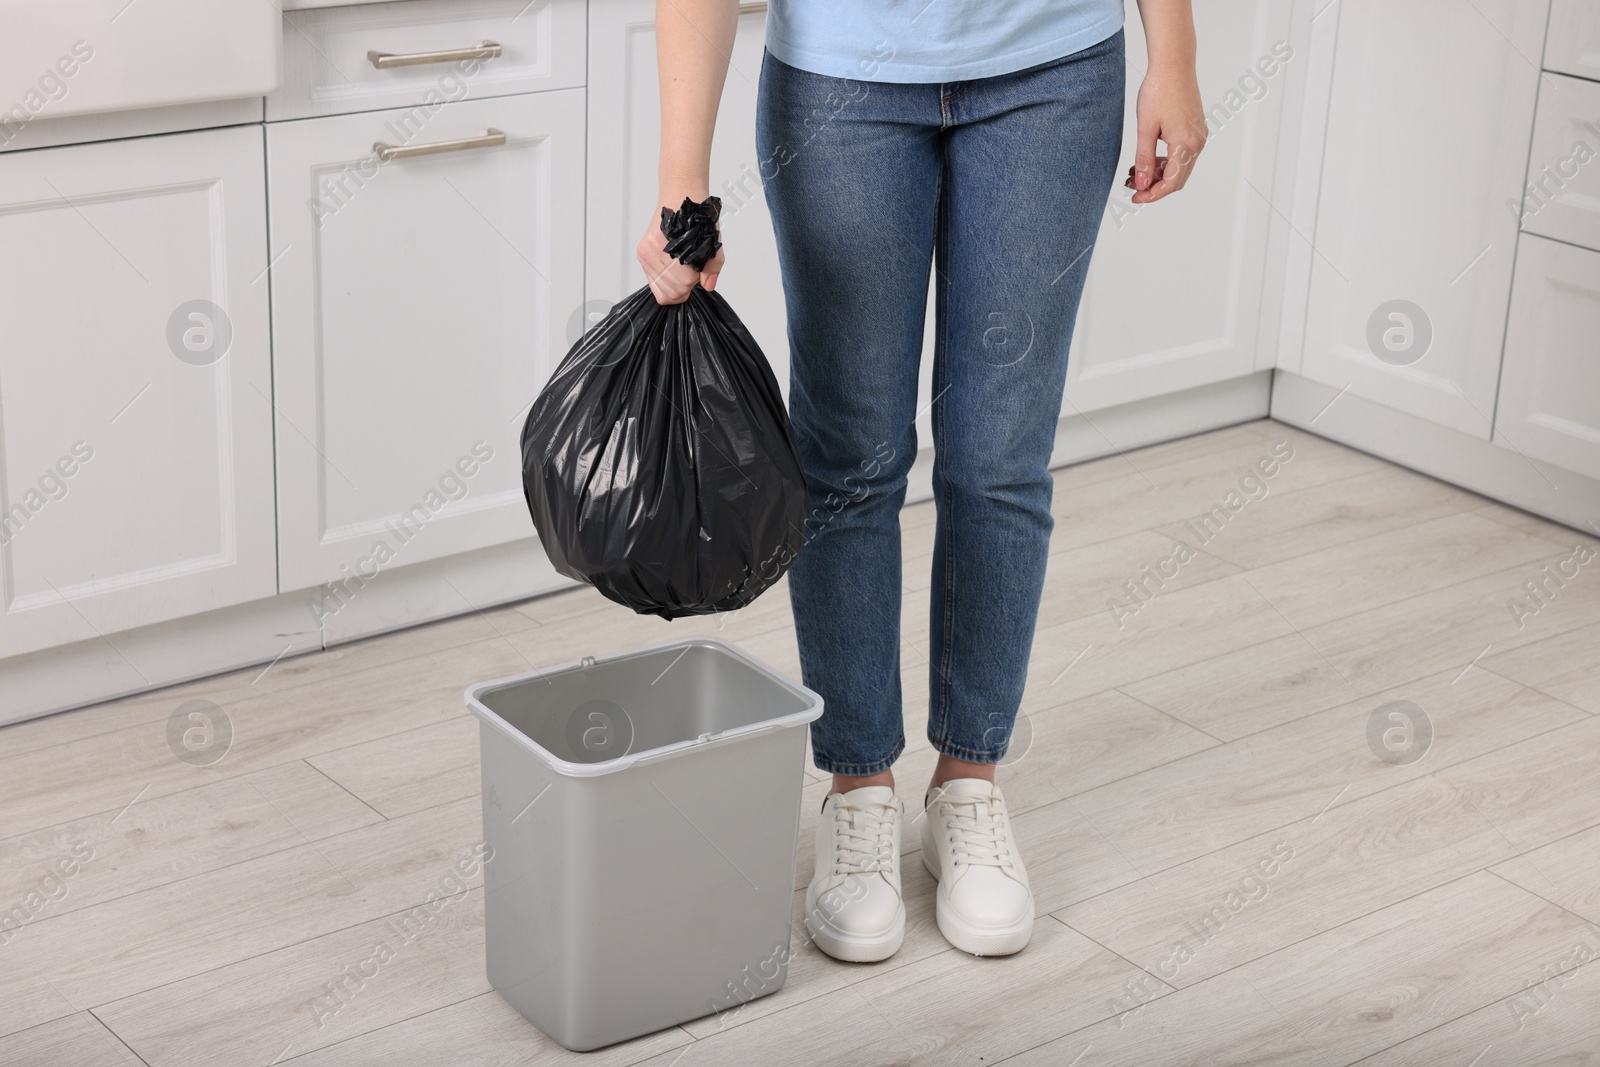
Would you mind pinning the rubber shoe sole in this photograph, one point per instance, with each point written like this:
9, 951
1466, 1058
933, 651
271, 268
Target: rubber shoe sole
978, 940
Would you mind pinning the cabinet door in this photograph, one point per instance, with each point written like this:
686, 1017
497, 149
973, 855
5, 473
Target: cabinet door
1429, 120
624, 140
135, 424
418, 306
1173, 298
1550, 387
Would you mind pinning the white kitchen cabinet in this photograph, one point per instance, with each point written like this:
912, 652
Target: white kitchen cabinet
136, 449
624, 141
1173, 298
1429, 121
1549, 404
418, 307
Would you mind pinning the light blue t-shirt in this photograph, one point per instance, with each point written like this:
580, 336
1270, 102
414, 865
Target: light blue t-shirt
933, 40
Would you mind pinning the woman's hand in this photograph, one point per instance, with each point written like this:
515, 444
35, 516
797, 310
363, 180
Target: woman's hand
671, 281
1169, 110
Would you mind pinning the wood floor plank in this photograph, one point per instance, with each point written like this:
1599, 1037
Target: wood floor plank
1084, 744
1082, 582
484, 1031
838, 1029
313, 803
1068, 859
1400, 971
1443, 629
1566, 871
1228, 793
1538, 791
1566, 666
1221, 1022
1248, 690
1304, 521
1200, 918
268, 730
76, 1040
108, 951
428, 1004
1087, 656
1553, 1024
961, 1009
1360, 575
310, 995
157, 842
1173, 493
409, 771
1259, 686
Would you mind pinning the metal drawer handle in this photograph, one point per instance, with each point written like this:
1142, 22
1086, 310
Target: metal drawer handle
481, 50
386, 152
751, 7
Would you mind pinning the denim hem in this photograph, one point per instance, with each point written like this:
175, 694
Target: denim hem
859, 770
966, 755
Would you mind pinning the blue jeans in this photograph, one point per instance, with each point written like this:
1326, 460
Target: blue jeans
1001, 182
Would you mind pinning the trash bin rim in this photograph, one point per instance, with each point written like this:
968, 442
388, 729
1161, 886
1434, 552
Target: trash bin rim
475, 693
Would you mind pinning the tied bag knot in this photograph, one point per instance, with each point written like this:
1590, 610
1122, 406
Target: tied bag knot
691, 231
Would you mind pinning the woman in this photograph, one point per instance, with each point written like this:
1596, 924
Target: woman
984, 136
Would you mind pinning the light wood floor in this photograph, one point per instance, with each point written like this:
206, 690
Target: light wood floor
1197, 774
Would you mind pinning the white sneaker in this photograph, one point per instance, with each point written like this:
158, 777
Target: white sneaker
854, 910
984, 905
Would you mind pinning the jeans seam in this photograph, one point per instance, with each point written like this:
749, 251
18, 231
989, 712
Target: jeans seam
942, 352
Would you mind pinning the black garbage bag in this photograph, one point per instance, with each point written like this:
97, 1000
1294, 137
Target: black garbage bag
657, 461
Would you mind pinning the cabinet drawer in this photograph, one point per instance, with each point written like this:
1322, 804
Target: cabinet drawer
418, 306
1562, 198
1572, 44
430, 48
1550, 378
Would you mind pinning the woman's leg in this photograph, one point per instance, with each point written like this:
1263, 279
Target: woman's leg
1029, 161
851, 171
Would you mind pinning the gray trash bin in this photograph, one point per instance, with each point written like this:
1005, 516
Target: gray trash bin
643, 811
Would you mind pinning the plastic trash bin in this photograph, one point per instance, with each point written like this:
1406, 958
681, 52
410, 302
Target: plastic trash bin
643, 810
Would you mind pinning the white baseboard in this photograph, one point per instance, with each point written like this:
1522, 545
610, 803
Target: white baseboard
152, 657
1470, 462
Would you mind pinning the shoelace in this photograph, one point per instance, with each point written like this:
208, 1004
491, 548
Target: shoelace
977, 837
863, 849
